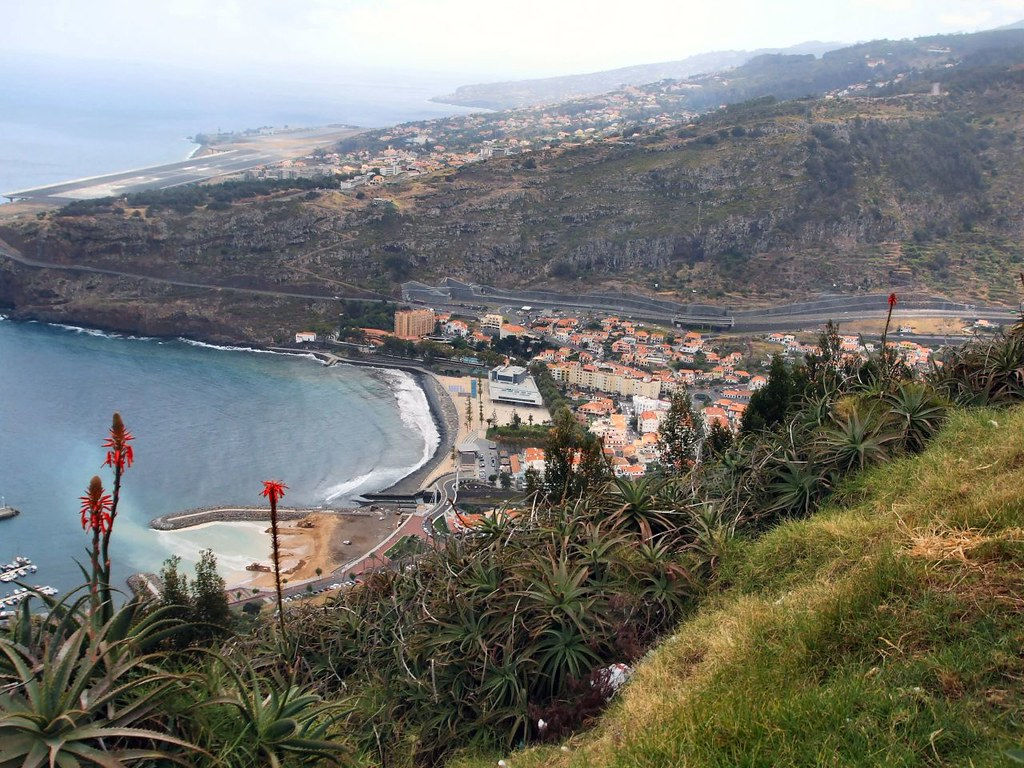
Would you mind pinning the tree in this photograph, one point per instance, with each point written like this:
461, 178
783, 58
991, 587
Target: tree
517, 420
173, 584
506, 480
718, 441
679, 433
209, 601
532, 481
826, 367
770, 404
573, 460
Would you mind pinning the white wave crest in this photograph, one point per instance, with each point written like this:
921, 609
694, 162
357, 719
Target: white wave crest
374, 479
414, 410
97, 333
229, 348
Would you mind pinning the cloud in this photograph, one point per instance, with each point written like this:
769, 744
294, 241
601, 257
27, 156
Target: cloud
477, 38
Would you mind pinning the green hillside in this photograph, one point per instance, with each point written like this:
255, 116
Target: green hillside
886, 629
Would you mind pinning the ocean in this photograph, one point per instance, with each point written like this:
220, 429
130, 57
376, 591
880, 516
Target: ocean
68, 120
210, 424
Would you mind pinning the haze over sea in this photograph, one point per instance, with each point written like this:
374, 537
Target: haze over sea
210, 425
66, 120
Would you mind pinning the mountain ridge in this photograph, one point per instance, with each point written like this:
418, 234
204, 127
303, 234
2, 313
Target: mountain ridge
512, 94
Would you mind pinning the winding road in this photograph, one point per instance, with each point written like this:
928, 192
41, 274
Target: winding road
10, 252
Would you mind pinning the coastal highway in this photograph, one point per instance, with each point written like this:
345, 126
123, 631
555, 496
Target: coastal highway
808, 314
10, 252
455, 295
416, 524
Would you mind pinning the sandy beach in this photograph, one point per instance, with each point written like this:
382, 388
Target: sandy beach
317, 541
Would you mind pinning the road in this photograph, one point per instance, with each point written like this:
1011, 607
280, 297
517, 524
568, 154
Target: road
786, 317
416, 524
8, 251
455, 295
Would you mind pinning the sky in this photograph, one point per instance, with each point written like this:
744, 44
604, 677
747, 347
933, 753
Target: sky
475, 39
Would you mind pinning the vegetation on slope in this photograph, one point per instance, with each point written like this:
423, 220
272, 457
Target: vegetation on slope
762, 200
511, 635
884, 630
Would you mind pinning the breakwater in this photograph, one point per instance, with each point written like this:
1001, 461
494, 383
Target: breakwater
187, 518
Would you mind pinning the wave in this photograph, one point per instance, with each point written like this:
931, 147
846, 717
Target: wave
230, 348
97, 333
374, 479
414, 411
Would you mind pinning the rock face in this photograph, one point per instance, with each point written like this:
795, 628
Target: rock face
754, 203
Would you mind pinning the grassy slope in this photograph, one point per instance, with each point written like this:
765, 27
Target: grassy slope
886, 630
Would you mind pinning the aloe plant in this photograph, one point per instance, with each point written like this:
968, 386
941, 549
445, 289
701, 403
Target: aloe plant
79, 692
282, 723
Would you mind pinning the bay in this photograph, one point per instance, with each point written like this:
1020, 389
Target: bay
210, 424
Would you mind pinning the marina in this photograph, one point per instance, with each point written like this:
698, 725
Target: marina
19, 568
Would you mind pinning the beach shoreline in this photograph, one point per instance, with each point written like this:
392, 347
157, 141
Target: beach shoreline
442, 406
436, 405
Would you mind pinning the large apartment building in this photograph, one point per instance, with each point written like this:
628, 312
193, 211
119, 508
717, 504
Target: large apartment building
605, 381
414, 323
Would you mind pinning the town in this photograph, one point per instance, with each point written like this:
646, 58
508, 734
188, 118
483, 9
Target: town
511, 371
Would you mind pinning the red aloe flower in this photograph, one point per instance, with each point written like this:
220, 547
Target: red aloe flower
892, 300
96, 505
119, 453
273, 490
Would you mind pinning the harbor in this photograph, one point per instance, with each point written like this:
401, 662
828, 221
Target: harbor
19, 568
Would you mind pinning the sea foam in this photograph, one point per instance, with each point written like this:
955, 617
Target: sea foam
414, 410
229, 348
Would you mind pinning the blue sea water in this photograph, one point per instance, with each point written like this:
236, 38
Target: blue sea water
64, 120
210, 425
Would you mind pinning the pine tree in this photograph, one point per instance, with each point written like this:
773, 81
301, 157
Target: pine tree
573, 460
209, 601
826, 367
769, 405
532, 481
718, 441
173, 583
679, 434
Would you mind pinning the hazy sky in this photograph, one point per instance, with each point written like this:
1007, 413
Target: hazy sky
475, 38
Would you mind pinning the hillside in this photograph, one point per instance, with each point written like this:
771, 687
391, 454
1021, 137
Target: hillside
883, 630
757, 202
514, 94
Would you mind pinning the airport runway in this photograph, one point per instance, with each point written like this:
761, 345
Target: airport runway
242, 156
154, 177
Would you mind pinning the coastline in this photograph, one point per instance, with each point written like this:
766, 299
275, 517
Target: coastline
442, 411
442, 408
